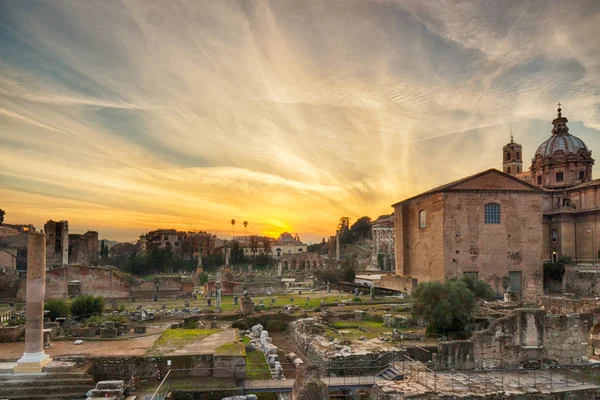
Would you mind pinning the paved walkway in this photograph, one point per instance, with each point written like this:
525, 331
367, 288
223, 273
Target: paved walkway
283, 384
132, 347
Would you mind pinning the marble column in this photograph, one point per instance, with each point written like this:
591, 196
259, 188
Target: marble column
34, 358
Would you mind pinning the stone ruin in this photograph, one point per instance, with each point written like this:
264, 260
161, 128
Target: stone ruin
268, 348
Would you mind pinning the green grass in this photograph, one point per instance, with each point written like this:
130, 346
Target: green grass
256, 364
231, 349
174, 339
351, 329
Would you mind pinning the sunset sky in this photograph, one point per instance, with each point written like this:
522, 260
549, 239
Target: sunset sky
122, 117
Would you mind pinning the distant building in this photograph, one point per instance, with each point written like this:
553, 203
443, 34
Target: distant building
383, 243
287, 244
83, 248
57, 242
165, 239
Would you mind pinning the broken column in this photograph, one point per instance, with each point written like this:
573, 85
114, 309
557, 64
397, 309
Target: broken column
34, 358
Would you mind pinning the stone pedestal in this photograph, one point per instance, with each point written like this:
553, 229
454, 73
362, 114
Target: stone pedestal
246, 306
34, 358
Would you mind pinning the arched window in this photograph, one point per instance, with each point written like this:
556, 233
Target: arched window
492, 213
507, 156
422, 219
508, 170
518, 169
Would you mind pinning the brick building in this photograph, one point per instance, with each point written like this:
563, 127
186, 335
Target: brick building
544, 213
488, 225
83, 248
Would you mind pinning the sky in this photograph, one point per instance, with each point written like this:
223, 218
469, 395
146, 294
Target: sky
126, 116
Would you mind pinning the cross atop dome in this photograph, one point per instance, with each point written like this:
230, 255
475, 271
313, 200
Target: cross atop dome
559, 110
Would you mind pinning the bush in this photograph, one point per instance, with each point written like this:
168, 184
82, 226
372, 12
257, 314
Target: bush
190, 324
57, 308
86, 306
356, 300
446, 307
240, 324
480, 289
202, 278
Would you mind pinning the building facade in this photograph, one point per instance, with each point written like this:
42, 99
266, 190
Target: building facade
383, 258
488, 226
562, 167
287, 244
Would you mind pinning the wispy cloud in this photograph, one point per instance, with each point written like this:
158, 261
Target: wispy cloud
124, 115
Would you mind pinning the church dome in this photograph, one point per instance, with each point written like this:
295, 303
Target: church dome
568, 144
561, 140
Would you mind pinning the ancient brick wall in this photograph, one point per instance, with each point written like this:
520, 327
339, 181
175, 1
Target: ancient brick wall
98, 281
562, 305
9, 284
526, 335
492, 250
581, 282
419, 251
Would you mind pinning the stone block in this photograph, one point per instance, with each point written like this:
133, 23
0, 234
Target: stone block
139, 328
106, 333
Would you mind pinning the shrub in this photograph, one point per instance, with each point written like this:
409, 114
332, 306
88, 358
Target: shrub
57, 309
356, 299
190, 324
480, 289
86, 306
446, 307
202, 278
240, 324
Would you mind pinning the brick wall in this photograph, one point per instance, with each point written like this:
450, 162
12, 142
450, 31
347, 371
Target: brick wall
492, 250
98, 281
419, 251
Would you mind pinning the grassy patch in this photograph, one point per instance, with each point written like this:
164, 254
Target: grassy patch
231, 349
175, 339
256, 366
350, 329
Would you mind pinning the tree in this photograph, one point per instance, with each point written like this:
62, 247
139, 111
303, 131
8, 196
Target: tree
361, 229
266, 243
202, 278
57, 308
237, 253
253, 245
480, 289
233, 228
87, 305
446, 307
349, 269
2, 214
246, 227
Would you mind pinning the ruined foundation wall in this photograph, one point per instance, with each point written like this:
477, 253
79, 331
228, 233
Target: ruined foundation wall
98, 281
526, 335
581, 283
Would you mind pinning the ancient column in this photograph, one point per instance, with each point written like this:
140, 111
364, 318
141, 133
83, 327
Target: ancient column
337, 245
226, 256
279, 268
34, 357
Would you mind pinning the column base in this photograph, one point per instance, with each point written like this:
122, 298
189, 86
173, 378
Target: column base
32, 363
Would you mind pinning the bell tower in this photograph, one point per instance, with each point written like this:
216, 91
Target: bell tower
512, 158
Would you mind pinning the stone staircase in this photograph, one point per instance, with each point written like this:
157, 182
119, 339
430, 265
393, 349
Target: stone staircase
391, 374
60, 385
